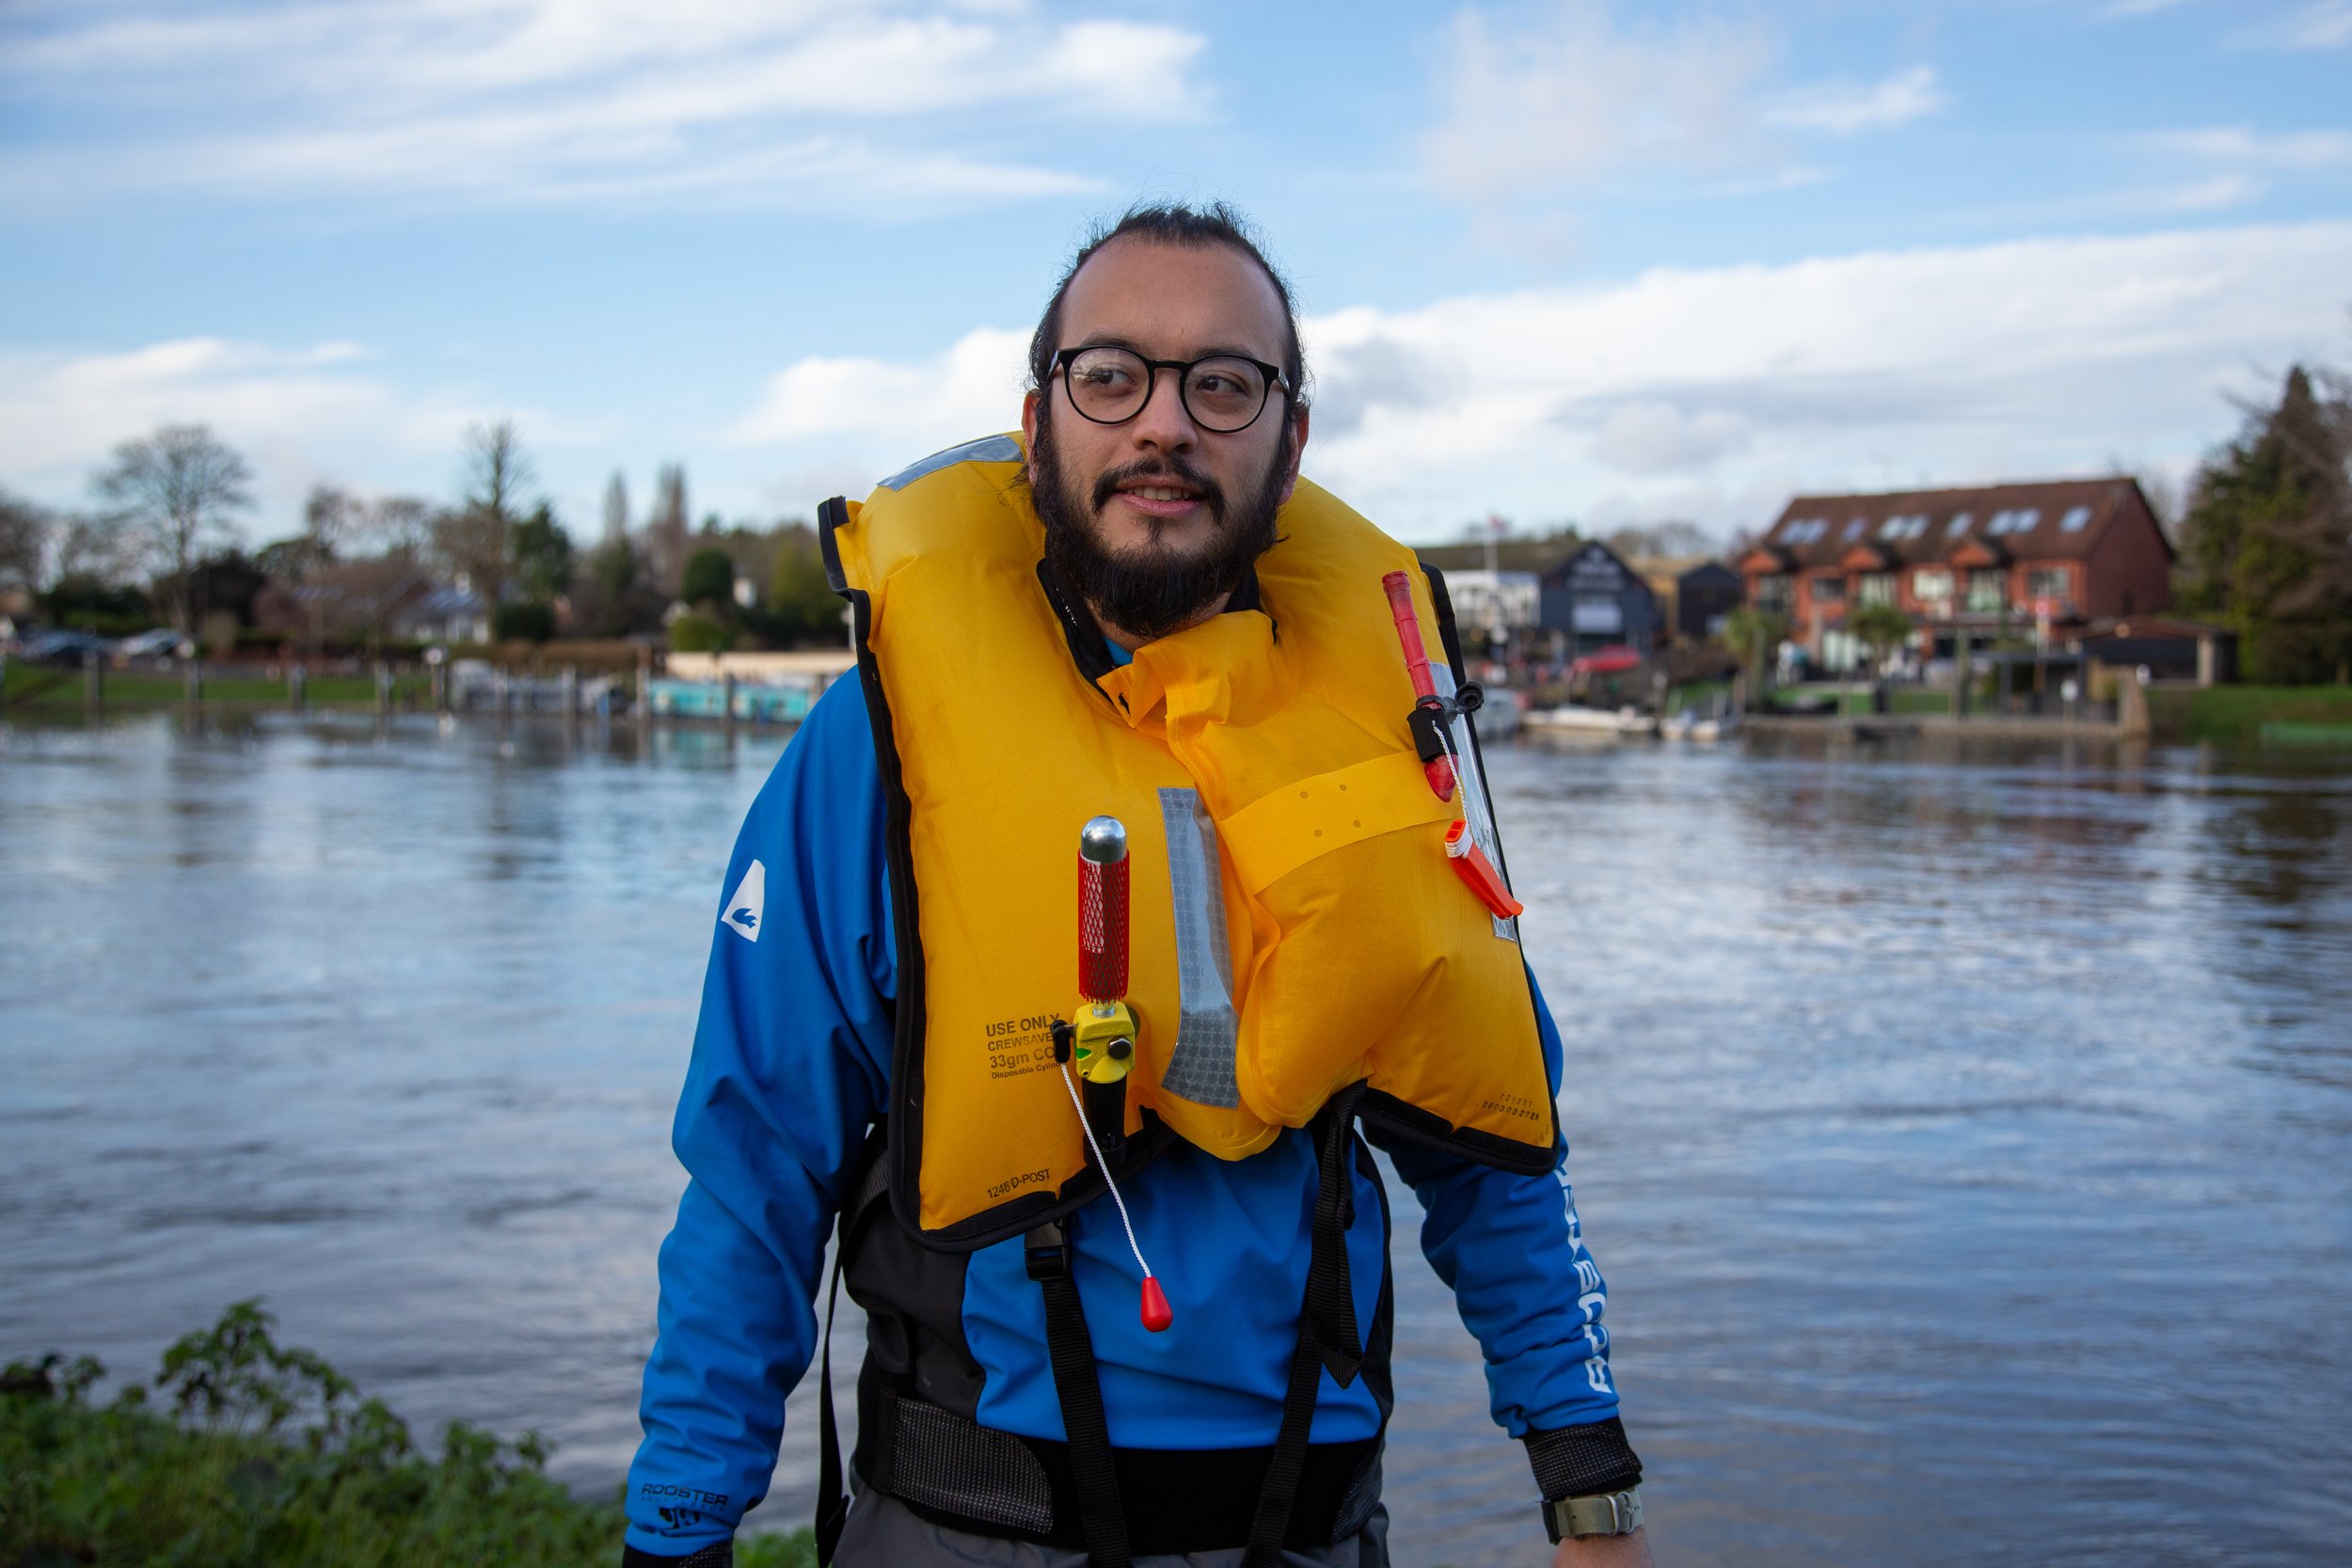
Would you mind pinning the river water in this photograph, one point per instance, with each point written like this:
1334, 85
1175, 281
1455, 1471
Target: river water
1966, 1134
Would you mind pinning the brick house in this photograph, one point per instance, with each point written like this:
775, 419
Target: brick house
2044, 558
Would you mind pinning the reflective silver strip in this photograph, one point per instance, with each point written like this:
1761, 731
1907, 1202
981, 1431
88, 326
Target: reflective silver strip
987, 448
1208, 1031
1475, 809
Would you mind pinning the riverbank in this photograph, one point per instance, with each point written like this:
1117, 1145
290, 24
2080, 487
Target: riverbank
251, 1452
51, 691
2239, 715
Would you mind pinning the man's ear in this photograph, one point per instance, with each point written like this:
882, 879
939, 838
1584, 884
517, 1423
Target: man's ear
1028, 434
1298, 449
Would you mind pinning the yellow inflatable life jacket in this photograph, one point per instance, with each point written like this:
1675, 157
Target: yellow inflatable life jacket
1295, 925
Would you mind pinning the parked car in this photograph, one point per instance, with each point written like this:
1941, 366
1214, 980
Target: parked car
62, 647
162, 642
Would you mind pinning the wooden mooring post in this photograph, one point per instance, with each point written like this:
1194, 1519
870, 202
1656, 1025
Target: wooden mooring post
93, 686
297, 685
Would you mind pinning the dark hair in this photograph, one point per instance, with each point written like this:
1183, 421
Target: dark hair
1175, 224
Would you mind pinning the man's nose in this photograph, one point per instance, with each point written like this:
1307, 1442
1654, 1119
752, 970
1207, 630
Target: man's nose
1165, 424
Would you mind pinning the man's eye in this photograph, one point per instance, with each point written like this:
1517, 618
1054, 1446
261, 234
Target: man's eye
1104, 377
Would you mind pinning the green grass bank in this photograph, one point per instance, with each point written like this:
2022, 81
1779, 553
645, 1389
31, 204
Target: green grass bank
2237, 715
248, 1454
48, 689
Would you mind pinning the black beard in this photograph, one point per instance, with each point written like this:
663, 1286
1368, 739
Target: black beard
1150, 592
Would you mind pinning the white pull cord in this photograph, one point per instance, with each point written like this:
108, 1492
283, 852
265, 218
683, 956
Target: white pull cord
1070, 1082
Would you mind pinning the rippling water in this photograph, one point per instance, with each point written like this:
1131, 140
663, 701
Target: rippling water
1965, 1133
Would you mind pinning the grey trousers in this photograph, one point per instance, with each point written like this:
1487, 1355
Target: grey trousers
883, 1532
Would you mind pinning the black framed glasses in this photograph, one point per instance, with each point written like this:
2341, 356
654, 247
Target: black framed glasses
1222, 392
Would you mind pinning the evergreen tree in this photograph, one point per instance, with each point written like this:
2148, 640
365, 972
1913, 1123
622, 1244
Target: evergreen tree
2268, 535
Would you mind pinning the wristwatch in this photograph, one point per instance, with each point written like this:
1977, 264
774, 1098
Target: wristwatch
1605, 1514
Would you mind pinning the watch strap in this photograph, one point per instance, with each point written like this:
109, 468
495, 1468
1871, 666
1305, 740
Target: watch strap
1606, 1513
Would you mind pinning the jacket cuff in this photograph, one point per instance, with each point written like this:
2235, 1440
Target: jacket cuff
1581, 1461
718, 1556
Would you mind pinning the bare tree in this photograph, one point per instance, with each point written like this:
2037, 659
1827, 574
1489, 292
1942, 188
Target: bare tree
477, 537
616, 507
1668, 540
398, 525
174, 491
93, 550
24, 530
667, 538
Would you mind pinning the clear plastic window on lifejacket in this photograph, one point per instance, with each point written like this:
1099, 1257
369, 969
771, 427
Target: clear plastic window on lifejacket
1476, 810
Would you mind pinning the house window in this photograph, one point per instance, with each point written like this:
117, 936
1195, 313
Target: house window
1854, 529
1829, 590
1876, 588
1985, 591
1931, 583
2047, 582
2077, 519
1959, 525
1771, 594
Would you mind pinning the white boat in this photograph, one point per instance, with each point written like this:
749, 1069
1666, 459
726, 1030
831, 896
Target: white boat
1687, 725
1572, 717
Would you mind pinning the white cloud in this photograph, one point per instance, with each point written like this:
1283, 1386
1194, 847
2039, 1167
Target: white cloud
2044, 356
301, 413
2321, 25
1715, 393
1559, 95
971, 389
1842, 108
1543, 105
572, 100
2297, 150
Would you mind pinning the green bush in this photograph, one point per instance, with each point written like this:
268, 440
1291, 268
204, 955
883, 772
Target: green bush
708, 578
266, 1456
696, 633
523, 622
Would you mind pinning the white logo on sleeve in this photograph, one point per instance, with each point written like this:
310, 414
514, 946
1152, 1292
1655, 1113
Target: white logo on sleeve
748, 903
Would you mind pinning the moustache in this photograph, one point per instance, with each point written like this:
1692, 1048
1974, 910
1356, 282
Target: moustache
1170, 467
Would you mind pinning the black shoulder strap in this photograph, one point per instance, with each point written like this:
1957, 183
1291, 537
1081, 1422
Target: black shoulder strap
1102, 1516
1327, 1336
871, 1182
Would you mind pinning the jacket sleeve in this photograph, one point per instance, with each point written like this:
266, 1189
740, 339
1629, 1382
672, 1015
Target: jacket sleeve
790, 1057
1512, 1250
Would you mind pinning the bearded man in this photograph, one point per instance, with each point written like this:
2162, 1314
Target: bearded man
1135, 633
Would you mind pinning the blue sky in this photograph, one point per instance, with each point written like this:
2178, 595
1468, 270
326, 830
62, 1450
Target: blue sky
1558, 260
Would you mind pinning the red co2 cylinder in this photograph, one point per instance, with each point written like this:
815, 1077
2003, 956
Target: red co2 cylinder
1102, 909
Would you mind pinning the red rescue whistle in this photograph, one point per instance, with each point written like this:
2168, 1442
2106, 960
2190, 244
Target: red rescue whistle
1471, 864
1400, 590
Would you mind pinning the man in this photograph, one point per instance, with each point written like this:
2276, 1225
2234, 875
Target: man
1140, 604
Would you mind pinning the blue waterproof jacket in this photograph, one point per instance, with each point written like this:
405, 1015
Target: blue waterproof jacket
791, 1059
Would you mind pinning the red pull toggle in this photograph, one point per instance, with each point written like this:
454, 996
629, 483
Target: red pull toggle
1439, 771
1471, 864
1103, 911
1156, 1312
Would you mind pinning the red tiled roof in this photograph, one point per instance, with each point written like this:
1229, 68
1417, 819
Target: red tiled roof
2028, 522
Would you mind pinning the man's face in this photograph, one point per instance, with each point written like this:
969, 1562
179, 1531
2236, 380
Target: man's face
1154, 521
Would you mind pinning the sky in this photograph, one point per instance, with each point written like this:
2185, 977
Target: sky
1557, 260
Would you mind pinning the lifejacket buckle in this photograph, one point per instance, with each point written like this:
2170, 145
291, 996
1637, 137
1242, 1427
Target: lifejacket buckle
1046, 1249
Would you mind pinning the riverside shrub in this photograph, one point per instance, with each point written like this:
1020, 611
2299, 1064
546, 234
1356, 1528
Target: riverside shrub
252, 1453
